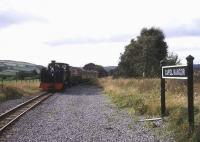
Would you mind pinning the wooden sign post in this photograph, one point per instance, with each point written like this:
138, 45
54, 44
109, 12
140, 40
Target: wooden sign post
179, 72
190, 91
162, 90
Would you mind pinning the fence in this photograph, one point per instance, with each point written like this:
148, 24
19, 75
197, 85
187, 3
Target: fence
10, 82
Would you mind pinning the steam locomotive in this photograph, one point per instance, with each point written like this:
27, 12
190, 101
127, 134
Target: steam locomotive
59, 75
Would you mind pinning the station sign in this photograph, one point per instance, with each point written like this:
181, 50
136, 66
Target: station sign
175, 72
179, 72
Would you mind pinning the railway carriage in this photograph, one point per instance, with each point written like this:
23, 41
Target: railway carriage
86, 75
75, 75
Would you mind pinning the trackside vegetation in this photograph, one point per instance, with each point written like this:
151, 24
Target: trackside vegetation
141, 97
13, 89
135, 85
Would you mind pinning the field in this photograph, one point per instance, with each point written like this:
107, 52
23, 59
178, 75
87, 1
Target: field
15, 89
141, 97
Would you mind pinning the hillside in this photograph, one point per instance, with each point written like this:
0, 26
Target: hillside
9, 67
197, 67
108, 68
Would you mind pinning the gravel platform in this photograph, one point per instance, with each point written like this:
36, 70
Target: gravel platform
79, 114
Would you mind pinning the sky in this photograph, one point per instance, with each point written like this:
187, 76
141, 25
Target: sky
83, 31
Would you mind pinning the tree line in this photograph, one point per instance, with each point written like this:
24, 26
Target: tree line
142, 55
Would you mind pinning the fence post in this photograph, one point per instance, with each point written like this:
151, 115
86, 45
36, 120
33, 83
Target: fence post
16, 82
16, 77
162, 90
190, 91
1, 82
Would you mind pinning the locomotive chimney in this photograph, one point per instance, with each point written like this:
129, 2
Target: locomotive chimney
53, 61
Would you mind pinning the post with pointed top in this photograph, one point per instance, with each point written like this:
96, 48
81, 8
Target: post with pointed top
162, 90
190, 91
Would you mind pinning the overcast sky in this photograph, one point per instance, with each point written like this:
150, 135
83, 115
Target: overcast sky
82, 31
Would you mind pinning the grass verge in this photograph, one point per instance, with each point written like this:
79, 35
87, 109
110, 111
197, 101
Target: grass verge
13, 89
142, 97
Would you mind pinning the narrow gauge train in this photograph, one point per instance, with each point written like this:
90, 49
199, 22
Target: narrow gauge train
59, 75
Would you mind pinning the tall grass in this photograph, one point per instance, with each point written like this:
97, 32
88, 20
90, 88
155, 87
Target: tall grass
12, 89
142, 97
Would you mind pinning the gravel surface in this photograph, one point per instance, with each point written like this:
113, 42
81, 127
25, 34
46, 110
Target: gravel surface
4, 106
80, 114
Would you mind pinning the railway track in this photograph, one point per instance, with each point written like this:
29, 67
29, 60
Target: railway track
9, 117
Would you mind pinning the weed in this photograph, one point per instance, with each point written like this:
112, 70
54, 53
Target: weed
142, 97
13, 89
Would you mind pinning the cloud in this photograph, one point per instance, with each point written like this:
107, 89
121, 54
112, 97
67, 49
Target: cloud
89, 40
191, 29
8, 18
176, 30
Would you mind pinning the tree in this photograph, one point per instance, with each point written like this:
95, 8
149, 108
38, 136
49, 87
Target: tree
172, 59
20, 75
90, 66
101, 71
142, 56
130, 61
154, 50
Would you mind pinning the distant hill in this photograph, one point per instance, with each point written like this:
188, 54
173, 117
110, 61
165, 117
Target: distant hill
9, 67
196, 67
108, 68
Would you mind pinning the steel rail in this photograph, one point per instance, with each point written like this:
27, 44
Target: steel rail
10, 116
